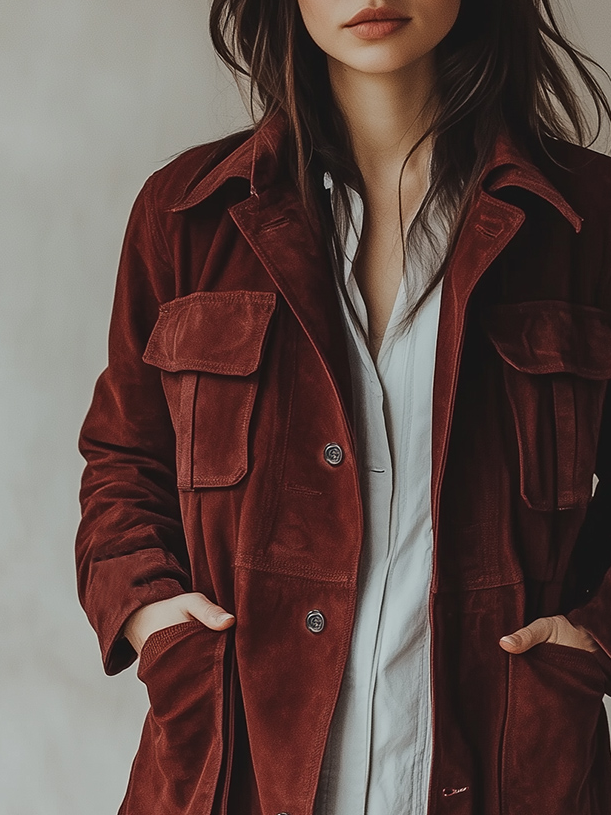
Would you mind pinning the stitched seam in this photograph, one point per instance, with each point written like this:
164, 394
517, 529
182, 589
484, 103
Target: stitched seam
458, 589
584, 373
188, 300
499, 582
159, 640
194, 364
184, 430
297, 573
220, 481
521, 441
302, 490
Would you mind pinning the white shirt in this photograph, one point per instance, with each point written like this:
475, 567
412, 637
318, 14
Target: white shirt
378, 756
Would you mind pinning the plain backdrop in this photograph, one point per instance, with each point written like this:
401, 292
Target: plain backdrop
95, 97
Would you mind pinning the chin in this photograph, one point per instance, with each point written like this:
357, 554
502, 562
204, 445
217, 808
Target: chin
378, 63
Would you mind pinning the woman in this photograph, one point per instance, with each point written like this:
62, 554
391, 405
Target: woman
338, 494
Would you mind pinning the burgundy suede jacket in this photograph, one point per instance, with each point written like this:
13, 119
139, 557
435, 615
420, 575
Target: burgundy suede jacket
206, 471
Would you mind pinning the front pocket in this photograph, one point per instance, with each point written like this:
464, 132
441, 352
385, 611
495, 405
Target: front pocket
177, 769
209, 347
163, 638
555, 702
556, 360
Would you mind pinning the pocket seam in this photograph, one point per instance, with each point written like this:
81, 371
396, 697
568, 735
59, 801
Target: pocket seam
154, 353
569, 492
571, 320
160, 639
569, 655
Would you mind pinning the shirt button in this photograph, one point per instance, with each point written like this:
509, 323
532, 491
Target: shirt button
333, 453
315, 622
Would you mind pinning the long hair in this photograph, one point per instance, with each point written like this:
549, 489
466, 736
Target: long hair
505, 65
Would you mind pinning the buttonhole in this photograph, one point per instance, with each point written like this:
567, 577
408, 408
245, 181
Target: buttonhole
488, 230
274, 223
377, 470
301, 489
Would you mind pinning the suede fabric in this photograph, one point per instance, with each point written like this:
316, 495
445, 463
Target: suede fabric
228, 376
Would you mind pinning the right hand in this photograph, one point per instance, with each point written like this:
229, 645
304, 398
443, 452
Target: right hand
182, 608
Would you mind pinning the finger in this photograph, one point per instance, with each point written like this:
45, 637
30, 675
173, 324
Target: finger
524, 638
211, 615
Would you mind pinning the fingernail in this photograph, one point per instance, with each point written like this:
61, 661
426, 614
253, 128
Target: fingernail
510, 640
222, 618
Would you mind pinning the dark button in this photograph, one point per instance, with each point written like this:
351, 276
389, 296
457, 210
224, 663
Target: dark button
315, 622
333, 453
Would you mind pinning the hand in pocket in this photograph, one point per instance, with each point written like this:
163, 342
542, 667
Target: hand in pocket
184, 607
555, 629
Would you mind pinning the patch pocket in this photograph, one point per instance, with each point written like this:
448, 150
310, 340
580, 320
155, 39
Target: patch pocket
187, 736
555, 702
556, 363
209, 346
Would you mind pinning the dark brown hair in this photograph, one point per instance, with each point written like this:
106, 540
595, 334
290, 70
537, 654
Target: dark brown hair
506, 64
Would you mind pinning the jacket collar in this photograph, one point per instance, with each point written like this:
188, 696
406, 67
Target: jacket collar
510, 167
257, 160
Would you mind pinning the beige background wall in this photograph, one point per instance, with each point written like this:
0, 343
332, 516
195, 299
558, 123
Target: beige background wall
95, 97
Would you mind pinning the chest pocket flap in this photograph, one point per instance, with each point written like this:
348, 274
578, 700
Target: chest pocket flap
209, 346
556, 363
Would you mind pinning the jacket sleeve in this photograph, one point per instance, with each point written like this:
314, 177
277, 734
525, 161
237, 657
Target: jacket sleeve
130, 548
595, 535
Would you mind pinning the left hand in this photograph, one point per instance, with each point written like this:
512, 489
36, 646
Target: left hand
555, 629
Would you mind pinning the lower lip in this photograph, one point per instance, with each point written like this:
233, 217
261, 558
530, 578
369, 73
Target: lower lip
376, 29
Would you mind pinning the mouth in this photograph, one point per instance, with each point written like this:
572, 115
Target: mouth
383, 14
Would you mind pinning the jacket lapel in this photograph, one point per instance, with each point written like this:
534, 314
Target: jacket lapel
487, 230
276, 227
489, 226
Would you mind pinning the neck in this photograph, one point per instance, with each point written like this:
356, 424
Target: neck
386, 114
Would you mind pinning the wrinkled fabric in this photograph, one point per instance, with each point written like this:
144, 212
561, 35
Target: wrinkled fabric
227, 377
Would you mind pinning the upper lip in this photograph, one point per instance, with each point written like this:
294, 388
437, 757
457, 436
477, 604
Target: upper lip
366, 15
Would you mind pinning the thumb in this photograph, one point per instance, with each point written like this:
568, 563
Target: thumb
210, 614
524, 638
